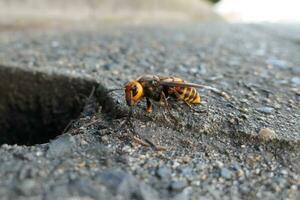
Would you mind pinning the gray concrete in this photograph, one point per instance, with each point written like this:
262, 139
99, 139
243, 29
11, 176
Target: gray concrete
224, 154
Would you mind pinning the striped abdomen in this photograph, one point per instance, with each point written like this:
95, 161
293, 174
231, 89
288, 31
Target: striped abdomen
188, 94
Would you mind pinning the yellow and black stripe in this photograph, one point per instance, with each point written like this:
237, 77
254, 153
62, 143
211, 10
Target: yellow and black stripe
189, 95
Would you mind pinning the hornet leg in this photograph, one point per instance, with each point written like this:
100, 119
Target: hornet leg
149, 105
193, 109
163, 98
127, 120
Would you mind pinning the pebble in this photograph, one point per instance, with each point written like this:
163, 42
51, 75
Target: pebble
294, 187
284, 172
280, 64
61, 145
226, 173
296, 81
163, 173
55, 44
236, 166
184, 195
84, 188
193, 70
113, 178
178, 185
267, 134
202, 70
126, 185
175, 164
219, 163
265, 109
38, 153
6, 147
186, 159
214, 192
187, 172
26, 187
295, 69
240, 173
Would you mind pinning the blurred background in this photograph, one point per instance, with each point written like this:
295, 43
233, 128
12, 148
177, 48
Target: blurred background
44, 13
283, 11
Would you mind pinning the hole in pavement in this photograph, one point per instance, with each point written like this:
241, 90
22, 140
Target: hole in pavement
36, 107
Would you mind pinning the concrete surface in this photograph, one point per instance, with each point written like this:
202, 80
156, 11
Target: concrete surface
245, 147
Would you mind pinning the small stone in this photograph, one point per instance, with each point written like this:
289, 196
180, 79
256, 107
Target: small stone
280, 64
193, 70
244, 110
5, 147
163, 173
277, 106
85, 188
186, 159
127, 149
294, 187
225, 173
178, 185
184, 195
187, 172
39, 153
107, 66
61, 145
296, 81
182, 69
125, 184
240, 173
202, 69
57, 192
175, 164
197, 183
267, 134
55, 44
231, 121
257, 171
236, 166
113, 179
219, 164
265, 109
26, 187
296, 69
284, 172
214, 192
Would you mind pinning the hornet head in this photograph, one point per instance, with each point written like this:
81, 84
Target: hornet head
133, 92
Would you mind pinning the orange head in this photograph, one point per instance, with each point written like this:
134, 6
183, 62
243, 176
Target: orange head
133, 92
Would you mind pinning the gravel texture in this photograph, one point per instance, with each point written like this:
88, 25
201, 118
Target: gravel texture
245, 147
